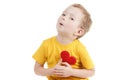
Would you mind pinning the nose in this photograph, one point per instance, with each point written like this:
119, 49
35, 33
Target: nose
63, 18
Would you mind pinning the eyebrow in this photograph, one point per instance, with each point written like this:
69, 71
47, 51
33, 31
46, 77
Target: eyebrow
71, 14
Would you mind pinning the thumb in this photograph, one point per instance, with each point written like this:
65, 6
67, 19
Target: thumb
59, 62
66, 64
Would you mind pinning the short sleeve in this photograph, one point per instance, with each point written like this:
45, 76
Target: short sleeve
40, 54
85, 59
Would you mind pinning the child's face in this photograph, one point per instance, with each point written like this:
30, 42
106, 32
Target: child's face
69, 22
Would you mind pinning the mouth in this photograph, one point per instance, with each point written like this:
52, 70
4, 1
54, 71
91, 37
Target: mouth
61, 24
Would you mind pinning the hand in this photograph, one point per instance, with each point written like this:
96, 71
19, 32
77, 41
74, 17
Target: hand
62, 71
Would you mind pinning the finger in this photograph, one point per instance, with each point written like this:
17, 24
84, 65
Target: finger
58, 73
59, 67
66, 64
59, 62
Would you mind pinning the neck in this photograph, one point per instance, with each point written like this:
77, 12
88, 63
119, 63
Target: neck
64, 39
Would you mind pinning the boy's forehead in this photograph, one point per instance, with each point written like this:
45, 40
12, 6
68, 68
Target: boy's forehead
73, 11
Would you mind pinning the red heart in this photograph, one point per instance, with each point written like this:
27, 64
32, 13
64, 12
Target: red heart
65, 54
67, 58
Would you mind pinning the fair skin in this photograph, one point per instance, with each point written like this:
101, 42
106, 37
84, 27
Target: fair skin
68, 30
68, 25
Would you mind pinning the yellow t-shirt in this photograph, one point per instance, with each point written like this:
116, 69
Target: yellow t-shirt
50, 51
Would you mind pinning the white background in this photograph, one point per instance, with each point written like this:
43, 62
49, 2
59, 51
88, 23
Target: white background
25, 23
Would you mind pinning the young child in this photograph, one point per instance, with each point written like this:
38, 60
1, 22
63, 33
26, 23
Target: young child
74, 22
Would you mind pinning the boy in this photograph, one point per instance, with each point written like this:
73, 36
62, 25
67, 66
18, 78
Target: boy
74, 22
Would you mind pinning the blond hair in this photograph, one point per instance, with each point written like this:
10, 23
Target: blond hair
86, 21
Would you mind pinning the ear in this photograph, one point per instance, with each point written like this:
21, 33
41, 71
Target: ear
79, 32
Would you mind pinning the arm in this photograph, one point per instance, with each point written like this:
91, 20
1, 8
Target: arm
40, 70
83, 73
67, 71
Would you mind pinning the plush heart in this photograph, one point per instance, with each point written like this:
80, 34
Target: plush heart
67, 58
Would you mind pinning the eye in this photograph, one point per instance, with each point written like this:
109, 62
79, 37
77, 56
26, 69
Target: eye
72, 19
63, 15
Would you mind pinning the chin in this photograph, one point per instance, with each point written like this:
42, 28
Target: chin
60, 29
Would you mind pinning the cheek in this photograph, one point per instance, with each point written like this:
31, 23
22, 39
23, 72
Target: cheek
71, 27
70, 30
